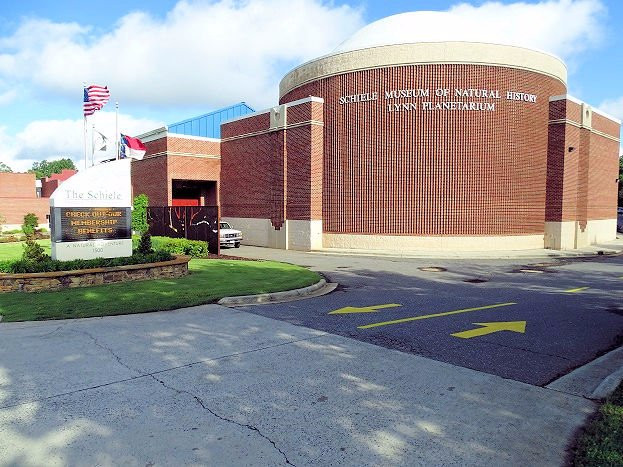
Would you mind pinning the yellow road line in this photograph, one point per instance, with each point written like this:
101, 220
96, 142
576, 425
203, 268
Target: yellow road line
579, 289
435, 315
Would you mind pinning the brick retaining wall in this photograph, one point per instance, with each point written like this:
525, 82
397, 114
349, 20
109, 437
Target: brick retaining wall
47, 281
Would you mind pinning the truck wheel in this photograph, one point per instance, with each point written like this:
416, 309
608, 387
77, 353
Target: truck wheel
237, 245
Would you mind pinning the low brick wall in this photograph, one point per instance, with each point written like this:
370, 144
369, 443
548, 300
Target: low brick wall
45, 281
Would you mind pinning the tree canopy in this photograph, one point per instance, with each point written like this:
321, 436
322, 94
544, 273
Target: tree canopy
46, 168
5, 168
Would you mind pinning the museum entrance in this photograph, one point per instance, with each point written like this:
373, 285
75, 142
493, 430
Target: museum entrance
194, 193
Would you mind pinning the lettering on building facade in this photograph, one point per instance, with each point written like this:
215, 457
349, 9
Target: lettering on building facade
448, 99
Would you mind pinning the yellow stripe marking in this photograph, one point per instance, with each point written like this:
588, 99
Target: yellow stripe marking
435, 315
579, 289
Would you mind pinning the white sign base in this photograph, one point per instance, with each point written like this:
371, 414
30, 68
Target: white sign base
91, 249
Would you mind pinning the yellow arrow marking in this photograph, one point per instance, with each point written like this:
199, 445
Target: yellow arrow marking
579, 289
488, 328
363, 309
435, 315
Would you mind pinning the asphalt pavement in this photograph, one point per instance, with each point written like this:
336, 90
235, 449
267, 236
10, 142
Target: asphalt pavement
527, 320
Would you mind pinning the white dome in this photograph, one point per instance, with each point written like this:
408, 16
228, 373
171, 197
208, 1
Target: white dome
431, 26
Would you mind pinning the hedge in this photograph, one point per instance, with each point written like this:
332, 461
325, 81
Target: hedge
49, 265
178, 246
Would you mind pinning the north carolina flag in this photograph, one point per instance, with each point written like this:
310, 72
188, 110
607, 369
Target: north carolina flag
132, 147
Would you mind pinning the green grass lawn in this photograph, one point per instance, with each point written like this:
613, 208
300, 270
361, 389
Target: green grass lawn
602, 442
209, 280
14, 250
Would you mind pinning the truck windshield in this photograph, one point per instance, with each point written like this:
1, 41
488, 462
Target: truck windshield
225, 225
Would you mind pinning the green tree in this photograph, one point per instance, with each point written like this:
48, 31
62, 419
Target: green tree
139, 214
5, 168
46, 168
31, 222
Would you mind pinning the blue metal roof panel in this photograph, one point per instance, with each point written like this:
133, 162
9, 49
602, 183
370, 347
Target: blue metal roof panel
209, 125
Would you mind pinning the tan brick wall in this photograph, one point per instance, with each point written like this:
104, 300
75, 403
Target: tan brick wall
435, 172
17, 185
14, 209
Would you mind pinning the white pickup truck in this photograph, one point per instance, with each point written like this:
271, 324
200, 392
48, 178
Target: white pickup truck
229, 236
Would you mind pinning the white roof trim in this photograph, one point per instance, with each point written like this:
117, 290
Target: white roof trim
153, 135
198, 138
254, 114
287, 104
604, 114
566, 97
579, 102
304, 101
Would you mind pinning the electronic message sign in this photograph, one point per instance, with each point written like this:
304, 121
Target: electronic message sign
91, 213
101, 223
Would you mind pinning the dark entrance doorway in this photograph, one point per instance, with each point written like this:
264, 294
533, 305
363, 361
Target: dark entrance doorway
193, 193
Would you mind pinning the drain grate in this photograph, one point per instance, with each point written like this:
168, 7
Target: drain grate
432, 269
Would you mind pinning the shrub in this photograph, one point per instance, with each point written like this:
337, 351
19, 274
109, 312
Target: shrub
49, 265
181, 246
144, 245
139, 214
31, 221
33, 251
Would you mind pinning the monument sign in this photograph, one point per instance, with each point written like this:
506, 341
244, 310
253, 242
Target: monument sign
90, 214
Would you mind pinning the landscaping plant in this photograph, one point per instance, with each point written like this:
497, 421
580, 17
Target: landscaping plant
144, 244
31, 221
139, 214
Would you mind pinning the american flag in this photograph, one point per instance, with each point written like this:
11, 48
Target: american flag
94, 98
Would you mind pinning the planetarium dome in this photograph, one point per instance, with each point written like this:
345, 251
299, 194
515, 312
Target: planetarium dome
432, 26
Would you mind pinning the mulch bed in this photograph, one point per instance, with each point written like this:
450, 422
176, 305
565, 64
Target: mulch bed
213, 256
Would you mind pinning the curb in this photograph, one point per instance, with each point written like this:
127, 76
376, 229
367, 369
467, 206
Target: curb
277, 297
595, 380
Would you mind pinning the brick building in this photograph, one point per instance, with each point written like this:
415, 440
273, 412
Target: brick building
182, 165
436, 145
20, 195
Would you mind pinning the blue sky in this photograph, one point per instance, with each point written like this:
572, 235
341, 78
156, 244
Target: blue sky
166, 61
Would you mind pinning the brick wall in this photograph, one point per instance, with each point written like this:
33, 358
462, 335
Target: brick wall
48, 186
434, 172
17, 185
149, 176
162, 164
273, 173
582, 165
14, 209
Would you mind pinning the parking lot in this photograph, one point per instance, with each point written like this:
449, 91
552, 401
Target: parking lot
529, 321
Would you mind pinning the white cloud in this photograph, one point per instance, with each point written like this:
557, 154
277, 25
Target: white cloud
561, 27
202, 52
53, 139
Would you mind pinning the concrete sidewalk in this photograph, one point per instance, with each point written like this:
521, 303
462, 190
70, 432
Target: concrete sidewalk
613, 247
214, 386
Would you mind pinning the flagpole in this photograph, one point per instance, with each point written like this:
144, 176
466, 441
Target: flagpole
117, 129
92, 144
84, 117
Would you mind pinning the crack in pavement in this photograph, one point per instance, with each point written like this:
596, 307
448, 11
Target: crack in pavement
143, 375
181, 391
109, 350
225, 419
